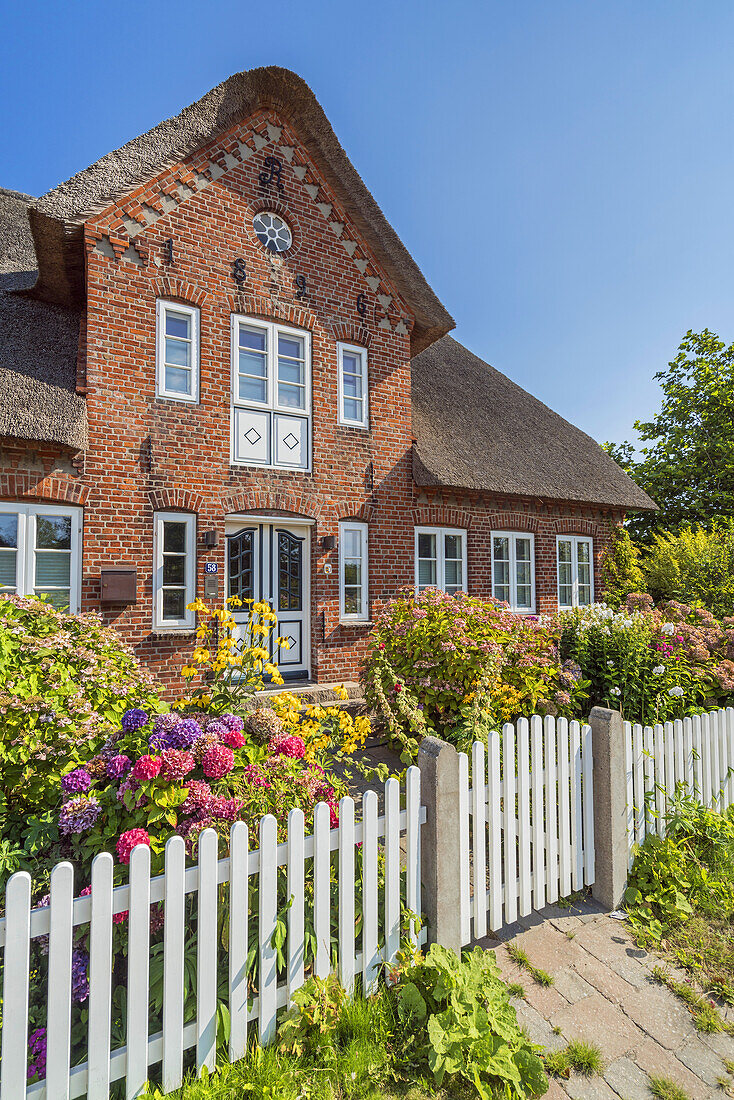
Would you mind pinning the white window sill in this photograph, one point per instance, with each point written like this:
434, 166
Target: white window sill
356, 622
167, 631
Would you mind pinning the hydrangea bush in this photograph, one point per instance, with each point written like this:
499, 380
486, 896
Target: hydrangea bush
447, 664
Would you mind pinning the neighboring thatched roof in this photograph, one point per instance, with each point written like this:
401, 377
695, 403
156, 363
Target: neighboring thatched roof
57, 218
38, 344
475, 429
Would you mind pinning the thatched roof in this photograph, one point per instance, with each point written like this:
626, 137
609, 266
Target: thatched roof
475, 429
57, 218
38, 344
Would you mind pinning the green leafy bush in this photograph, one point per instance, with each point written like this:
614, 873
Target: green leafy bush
621, 574
460, 1020
67, 681
695, 566
448, 664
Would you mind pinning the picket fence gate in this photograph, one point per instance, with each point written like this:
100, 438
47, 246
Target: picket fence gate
526, 822
697, 751
132, 1061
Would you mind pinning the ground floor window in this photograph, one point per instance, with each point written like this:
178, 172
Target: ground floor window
575, 571
513, 569
174, 570
353, 570
40, 552
440, 559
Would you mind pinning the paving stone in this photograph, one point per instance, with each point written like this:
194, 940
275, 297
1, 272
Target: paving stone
555, 1092
547, 948
599, 1021
702, 1060
614, 987
659, 1012
545, 998
538, 1029
589, 1088
719, 1042
658, 1062
617, 954
571, 986
627, 1079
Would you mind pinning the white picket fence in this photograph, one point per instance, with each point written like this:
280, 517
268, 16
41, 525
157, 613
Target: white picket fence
66, 914
527, 821
698, 752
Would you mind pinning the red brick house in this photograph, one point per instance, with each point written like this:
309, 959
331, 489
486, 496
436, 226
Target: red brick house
222, 373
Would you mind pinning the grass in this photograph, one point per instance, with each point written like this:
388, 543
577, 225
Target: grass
705, 946
581, 1057
520, 957
665, 1089
515, 989
706, 1016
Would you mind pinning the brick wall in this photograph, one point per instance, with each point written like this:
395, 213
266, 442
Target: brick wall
149, 454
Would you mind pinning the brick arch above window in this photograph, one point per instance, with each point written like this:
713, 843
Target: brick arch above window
347, 510
441, 516
174, 499
512, 521
349, 334
179, 289
55, 488
570, 525
277, 500
257, 305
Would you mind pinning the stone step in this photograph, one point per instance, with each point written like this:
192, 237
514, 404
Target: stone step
325, 695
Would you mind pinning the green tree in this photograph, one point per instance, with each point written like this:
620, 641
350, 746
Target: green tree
694, 566
620, 568
687, 466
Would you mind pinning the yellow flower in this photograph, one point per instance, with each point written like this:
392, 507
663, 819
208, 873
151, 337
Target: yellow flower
341, 691
188, 671
201, 655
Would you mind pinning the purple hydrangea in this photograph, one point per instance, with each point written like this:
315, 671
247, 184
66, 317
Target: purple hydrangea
118, 766
162, 727
79, 980
37, 1052
76, 782
79, 814
133, 719
232, 722
217, 729
184, 733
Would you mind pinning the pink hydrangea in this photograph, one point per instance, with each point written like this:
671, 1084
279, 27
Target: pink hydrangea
218, 761
120, 918
234, 738
146, 767
333, 814
198, 799
177, 763
127, 841
226, 809
284, 744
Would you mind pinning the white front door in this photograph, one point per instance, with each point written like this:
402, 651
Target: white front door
270, 560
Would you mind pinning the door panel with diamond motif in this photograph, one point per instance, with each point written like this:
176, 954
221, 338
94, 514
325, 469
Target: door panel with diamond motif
270, 561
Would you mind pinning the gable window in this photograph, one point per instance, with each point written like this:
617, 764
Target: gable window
271, 394
174, 570
352, 385
353, 572
575, 571
177, 351
513, 569
440, 559
40, 552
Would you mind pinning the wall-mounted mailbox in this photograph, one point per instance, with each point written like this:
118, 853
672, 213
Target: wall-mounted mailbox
119, 585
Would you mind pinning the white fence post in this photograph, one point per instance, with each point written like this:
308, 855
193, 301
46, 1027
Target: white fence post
440, 843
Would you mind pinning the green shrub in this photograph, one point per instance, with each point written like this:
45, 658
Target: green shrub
694, 566
621, 574
66, 682
448, 664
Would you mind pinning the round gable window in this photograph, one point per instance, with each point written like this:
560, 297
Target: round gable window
272, 231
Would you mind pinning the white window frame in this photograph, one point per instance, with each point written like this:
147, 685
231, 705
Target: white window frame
574, 540
441, 556
271, 406
188, 622
363, 614
513, 536
354, 349
25, 562
161, 308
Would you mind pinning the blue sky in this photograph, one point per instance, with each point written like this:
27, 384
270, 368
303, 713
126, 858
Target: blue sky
563, 172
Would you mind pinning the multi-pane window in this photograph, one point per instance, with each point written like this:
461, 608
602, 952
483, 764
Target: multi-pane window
575, 571
177, 351
352, 385
271, 399
513, 569
353, 579
174, 569
40, 552
440, 559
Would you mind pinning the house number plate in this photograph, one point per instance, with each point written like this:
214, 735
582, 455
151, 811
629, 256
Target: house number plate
211, 567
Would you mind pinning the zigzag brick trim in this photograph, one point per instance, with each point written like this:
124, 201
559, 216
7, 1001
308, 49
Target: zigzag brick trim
178, 500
